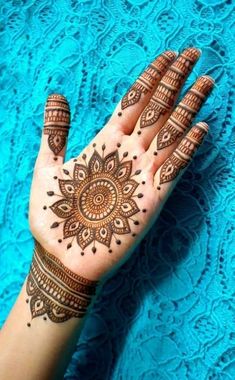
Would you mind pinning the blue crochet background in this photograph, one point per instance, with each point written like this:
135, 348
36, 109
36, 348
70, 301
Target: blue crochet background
169, 313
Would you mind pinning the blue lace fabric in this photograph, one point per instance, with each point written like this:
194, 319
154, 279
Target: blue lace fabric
168, 313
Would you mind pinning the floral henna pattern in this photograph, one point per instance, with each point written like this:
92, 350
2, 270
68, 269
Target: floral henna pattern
146, 82
163, 99
97, 201
184, 113
56, 292
183, 154
56, 122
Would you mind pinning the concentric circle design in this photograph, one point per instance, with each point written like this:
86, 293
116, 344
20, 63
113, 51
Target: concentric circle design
98, 199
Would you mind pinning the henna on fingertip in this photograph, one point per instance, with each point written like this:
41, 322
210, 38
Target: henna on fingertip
56, 122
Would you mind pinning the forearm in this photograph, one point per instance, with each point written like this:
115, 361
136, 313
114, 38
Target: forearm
39, 347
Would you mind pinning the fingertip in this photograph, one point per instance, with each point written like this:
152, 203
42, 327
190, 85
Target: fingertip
208, 78
56, 96
170, 55
203, 85
198, 132
203, 125
192, 53
57, 111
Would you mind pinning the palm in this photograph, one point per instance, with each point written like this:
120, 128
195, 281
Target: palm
99, 204
91, 211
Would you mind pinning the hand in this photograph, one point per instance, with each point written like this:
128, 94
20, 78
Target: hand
91, 211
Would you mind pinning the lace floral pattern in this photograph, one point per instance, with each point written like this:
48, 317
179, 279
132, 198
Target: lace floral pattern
168, 314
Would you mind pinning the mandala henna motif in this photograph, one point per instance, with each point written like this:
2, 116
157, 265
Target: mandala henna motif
54, 290
56, 122
183, 154
147, 80
163, 99
184, 113
97, 201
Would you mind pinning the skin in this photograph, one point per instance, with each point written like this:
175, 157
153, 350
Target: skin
46, 357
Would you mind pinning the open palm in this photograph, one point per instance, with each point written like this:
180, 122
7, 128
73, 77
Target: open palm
91, 211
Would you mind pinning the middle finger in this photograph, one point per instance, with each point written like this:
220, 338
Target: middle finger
162, 102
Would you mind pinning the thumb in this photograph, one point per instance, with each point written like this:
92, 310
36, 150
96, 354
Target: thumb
55, 131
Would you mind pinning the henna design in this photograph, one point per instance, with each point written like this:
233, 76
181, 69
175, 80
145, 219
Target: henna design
97, 201
56, 122
167, 135
183, 154
184, 113
146, 82
163, 99
54, 290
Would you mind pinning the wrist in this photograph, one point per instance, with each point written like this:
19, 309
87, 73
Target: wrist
54, 291
45, 333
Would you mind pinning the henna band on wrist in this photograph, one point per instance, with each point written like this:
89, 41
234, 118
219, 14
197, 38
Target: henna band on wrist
55, 290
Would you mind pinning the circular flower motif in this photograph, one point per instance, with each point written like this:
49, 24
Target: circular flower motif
98, 200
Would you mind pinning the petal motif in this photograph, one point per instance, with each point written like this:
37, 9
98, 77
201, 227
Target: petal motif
171, 168
56, 142
96, 163
67, 188
63, 208
128, 208
111, 162
85, 237
151, 114
104, 235
132, 97
124, 171
71, 227
120, 225
31, 287
80, 172
38, 305
129, 187
58, 314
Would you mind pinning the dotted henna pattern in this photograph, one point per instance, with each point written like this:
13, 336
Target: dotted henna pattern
184, 113
98, 200
56, 122
146, 82
163, 99
183, 154
54, 290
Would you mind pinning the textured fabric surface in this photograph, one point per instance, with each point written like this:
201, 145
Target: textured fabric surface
169, 312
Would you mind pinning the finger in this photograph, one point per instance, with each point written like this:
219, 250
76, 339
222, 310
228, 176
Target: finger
132, 104
162, 102
172, 131
55, 131
171, 170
